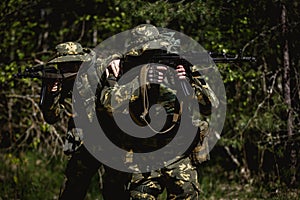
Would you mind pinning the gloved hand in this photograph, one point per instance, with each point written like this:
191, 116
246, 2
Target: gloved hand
156, 74
113, 68
112, 72
177, 80
54, 87
50, 93
181, 74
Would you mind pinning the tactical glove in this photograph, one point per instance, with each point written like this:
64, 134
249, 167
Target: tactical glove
156, 74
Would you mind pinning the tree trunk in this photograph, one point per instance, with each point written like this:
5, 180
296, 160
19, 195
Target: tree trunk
287, 94
95, 37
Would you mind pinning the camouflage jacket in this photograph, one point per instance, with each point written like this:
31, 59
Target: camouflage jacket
129, 98
68, 58
115, 97
56, 103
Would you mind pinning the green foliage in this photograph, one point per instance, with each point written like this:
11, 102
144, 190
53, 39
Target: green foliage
30, 175
255, 132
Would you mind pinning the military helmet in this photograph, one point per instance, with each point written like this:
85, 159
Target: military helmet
69, 52
140, 35
146, 37
144, 31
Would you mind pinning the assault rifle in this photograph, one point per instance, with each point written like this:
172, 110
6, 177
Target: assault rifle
44, 71
189, 59
159, 56
51, 73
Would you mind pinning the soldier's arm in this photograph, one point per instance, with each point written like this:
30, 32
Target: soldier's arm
204, 94
114, 96
207, 101
49, 103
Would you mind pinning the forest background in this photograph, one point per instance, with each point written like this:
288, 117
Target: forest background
257, 156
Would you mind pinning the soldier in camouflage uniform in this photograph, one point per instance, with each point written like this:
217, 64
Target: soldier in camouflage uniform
55, 100
179, 177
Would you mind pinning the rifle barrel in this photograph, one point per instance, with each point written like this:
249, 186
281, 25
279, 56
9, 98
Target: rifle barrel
232, 60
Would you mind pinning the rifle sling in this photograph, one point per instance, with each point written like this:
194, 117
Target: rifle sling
144, 93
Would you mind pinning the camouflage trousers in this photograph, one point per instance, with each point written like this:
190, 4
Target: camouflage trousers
179, 179
81, 167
